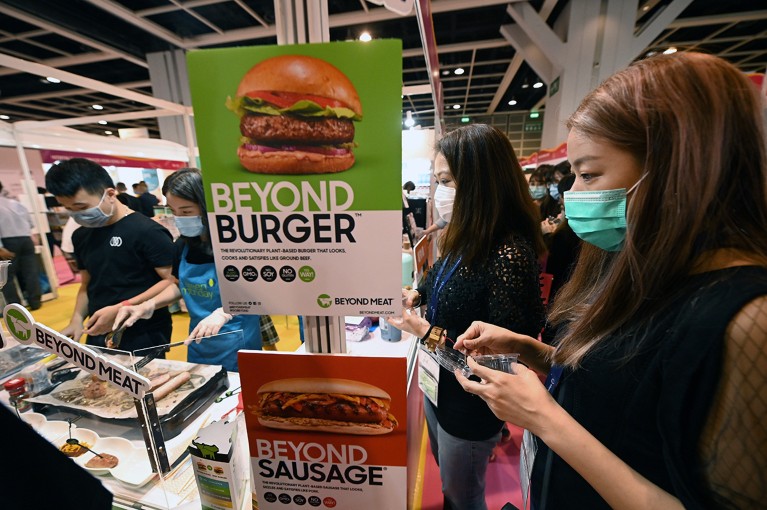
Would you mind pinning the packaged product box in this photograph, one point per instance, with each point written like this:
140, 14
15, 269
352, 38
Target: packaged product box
221, 468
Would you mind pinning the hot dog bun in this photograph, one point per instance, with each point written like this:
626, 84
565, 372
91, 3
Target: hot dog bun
340, 406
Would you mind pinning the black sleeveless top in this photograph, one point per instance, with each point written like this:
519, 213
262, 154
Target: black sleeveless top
650, 409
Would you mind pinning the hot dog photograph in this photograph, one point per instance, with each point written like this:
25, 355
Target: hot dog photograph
297, 116
340, 406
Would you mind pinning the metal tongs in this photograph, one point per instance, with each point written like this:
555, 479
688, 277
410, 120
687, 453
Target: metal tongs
113, 338
152, 353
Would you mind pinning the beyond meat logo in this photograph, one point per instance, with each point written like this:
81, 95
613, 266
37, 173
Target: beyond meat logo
324, 301
18, 325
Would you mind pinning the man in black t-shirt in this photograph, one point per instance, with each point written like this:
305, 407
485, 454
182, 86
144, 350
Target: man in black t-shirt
124, 257
126, 198
148, 201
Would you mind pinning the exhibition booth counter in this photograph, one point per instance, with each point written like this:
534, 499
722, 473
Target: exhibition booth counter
194, 425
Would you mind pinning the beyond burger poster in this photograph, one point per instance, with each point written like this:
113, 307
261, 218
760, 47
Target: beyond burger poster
326, 431
300, 148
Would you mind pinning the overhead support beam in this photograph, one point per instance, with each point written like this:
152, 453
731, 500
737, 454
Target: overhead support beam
68, 93
657, 25
516, 62
152, 11
81, 81
538, 32
336, 21
429, 43
716, 19
531, 52
94, 119
511, 72
51, 27
7, 36
455, 48
73, 60
121, 12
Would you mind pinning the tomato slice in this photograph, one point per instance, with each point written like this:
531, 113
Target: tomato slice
287, 99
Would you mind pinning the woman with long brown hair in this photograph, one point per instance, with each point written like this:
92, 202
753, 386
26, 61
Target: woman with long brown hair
658, 379
488, 269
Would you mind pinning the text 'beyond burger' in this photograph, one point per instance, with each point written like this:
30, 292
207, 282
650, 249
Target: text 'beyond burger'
296, 116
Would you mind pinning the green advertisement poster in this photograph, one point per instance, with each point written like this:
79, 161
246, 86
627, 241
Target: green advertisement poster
300, 149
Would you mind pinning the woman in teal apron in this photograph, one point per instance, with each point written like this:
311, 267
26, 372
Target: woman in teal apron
198, 284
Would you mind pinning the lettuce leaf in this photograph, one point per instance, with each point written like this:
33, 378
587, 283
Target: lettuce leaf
302, 108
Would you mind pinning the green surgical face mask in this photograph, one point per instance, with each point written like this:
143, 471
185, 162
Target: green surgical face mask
598, 217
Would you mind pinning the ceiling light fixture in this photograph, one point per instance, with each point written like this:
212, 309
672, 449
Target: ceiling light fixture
646, 7
53, 80
459, 71
456, 106
107, 132
445, 72
525, 85
512, 102
669, 50
4, 117
365, 37
409, 121
103, 122
97, 107
537, 84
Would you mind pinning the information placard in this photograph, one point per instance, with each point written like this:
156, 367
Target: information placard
325, 430
300, 147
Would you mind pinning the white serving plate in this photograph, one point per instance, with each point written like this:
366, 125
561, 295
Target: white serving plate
117, 446
34, 420
136, 470
53, 430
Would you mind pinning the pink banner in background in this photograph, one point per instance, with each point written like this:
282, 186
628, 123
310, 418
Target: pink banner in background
52, 156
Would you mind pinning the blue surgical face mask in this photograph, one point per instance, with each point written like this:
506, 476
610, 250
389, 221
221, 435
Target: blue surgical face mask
93, 217
598, 217
189, 226
538, 192
554, 191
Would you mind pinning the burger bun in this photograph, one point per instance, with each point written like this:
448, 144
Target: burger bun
293, 162
324, 385
301, 74
320, 425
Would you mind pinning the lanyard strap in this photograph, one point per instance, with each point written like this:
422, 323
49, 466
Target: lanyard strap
555, 374
439, 283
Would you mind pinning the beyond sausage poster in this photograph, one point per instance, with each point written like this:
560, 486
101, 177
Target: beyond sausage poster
300, 149
326, 440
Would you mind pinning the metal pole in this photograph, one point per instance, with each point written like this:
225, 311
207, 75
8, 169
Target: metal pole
190, 137
31, 189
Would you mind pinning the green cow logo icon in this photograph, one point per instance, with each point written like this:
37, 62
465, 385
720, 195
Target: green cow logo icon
208, 451
18, 325
324, 301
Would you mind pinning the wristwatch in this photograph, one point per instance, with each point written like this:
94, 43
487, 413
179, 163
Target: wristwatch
434, 337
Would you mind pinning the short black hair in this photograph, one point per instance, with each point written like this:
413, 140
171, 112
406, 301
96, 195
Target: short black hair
65, 179
563, 167
565, 183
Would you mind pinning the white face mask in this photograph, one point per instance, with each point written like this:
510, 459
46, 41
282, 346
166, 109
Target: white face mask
443, 201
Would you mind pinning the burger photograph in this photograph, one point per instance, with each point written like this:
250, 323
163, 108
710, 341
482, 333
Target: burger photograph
297, 116
340, 406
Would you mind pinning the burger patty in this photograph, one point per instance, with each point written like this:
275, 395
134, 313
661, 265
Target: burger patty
338, 411
286, 130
